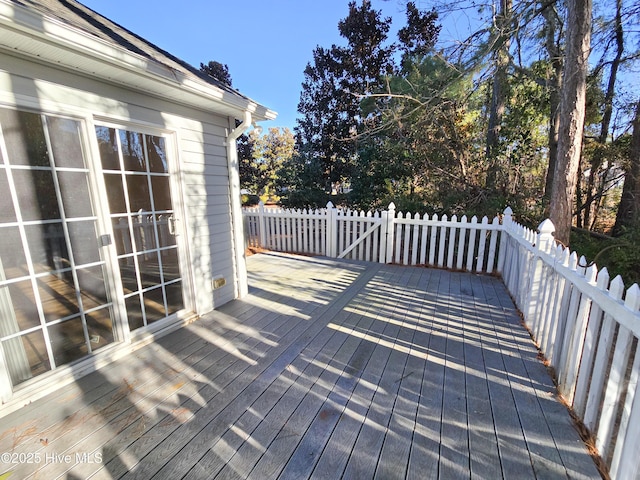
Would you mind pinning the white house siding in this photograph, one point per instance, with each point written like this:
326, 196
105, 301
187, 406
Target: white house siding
206, 189
201, 160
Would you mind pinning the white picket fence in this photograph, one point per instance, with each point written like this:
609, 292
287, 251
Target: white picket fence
386, 237
586, 325
588, 328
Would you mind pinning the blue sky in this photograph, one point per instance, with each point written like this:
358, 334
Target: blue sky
265, 43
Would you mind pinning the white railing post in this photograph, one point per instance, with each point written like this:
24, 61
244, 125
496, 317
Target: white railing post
544, 240
506, 230
625, 462
546, 230
262, 227
387, 233
332, 230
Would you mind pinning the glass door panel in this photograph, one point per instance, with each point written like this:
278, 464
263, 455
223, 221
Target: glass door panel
53, 286
143, 218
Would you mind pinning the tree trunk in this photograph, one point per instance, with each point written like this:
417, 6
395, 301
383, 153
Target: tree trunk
593, 200
613, 74
552, 45
499, 89
579, 222
628, 215
572, 113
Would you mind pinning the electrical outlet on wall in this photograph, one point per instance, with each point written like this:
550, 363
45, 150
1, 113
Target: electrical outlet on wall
218, 282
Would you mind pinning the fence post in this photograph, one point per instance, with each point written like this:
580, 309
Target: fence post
544, 241
546, 230
262, 226
506, 230
332, 230
386, 235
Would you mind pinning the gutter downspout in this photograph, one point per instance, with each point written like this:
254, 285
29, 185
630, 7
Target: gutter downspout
241, 285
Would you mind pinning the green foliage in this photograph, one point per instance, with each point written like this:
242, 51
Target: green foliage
403, 122
247, 167
620, 255
419, 36
521, 153
270, 152
261, 157
249, 200
334, 83
300, 184
421, 153
217, 70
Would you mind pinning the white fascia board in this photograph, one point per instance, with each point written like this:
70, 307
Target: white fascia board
27, 33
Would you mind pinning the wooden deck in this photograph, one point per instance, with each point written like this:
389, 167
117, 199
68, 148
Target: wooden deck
328, 369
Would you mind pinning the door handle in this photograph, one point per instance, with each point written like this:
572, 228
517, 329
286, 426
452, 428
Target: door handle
172, 225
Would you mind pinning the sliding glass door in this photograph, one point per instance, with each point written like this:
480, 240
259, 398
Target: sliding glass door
136, 176
69, 285
55, 305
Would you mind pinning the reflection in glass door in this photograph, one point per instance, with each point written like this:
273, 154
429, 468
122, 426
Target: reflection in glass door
54, 302
136, 176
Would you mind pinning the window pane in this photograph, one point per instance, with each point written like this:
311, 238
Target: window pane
161, 193
36, 194
115, 193
13, 263
58, 295
174, 297
132, 151
170, 267
84, 242
75, 194
18, 308
134, 312
7, 211
143, 232
108, 148
48, 247
154, 305
138, 189
65, 142
27, 356
157, 154
67, 341
128, 274
93, 292
122, 235
149, 269
24, 137
100, 328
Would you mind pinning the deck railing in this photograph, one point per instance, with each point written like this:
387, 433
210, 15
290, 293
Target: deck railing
586, 326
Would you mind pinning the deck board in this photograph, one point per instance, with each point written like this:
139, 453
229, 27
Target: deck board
327, 369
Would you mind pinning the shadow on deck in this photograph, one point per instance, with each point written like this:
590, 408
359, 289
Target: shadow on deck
328, 369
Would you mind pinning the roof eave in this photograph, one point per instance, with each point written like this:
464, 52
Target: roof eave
27, 33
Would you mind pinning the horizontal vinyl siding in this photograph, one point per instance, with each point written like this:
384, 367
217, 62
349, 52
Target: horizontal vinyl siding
199, 149
206, 188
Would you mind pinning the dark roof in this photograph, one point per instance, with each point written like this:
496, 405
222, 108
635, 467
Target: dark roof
79, 16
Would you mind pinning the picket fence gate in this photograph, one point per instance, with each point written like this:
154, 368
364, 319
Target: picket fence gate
586, 325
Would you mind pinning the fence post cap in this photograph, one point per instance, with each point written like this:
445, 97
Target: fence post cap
329, 204
392, 206
508, 212
546, 227
261, 203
